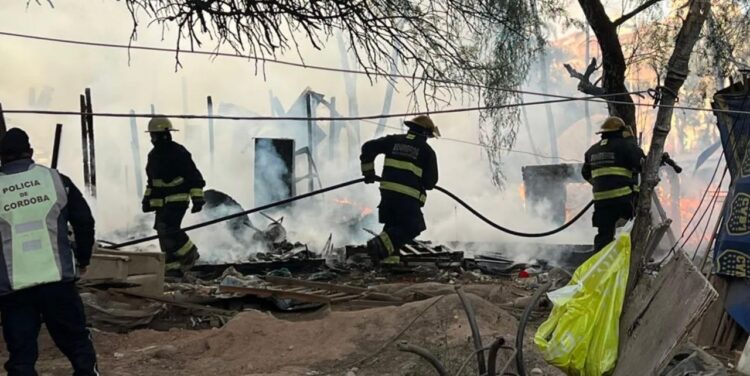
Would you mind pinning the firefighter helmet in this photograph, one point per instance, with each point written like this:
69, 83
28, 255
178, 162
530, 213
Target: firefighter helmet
160, 124
612, 124
424, 122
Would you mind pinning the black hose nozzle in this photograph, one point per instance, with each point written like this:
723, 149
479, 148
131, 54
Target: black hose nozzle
667, 160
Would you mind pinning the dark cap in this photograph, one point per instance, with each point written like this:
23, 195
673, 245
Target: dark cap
15, 141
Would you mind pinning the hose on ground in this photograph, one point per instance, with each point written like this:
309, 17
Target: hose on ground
520, 366
424, 354
476, 336
112, 245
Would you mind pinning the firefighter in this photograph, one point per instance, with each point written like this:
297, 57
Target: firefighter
37, 261
173, 181
611, 166
409, 171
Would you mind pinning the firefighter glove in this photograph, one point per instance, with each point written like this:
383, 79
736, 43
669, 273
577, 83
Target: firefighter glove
146, 206
370, 177
197, 205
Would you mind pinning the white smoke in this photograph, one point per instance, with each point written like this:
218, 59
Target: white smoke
122, 80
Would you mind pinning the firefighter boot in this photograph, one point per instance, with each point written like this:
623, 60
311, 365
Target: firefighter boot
376, 250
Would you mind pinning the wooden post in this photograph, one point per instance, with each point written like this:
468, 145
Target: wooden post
310, 184
85, 145
333, 133
210, 104
92, 148
135, 148
3, 127
56, 146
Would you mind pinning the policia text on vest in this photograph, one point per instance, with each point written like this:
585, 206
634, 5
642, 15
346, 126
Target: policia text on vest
23, 189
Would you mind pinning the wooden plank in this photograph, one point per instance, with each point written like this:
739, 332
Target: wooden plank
708, 327
331, 287
654, 238
659, 314
271, 292
427, 247
364, 304
411, 250
191, 306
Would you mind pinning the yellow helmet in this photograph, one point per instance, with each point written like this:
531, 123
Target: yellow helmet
160, 124
612, 124
424, 122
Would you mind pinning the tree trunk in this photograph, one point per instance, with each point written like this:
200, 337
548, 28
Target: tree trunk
677, 71
613, 60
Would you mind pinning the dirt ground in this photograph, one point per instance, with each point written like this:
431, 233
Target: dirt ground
323, 342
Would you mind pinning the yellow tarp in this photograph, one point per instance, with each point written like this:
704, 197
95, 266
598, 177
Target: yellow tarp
581, 334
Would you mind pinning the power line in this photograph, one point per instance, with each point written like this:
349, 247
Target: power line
287, 118
293, 64
510, 150
597, 98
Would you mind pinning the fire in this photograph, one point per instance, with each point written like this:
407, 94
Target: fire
363, 210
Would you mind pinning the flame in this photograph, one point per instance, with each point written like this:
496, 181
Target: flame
363, 210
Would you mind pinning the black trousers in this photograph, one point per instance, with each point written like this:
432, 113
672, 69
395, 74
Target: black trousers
402, 222
606, 215
180, 251
57, 305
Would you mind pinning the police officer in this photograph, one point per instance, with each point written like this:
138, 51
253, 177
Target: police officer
612, 166
173, 181
37, 262
409, 171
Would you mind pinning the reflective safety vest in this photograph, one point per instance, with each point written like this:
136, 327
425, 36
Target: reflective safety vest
31, 203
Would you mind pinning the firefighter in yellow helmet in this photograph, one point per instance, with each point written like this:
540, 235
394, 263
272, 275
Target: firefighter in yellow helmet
410, 169
173, 182
612, 166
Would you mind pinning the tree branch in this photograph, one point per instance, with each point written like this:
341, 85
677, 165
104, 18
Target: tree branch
585, 85
625, 17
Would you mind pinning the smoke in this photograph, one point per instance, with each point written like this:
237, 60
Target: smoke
270, 173
122, 80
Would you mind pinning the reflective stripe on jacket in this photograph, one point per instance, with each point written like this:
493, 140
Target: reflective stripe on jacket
410, 165
172, 176
612, 166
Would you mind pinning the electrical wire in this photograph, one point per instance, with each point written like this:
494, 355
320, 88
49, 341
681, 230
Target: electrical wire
293, 64
597, 98
290, 118
710, 215
700, 204
710, 204
510, 150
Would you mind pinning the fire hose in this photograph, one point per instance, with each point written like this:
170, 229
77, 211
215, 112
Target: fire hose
111, 245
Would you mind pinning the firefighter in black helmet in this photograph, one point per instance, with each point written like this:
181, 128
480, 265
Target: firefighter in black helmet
409, 171
173, 182
612, 166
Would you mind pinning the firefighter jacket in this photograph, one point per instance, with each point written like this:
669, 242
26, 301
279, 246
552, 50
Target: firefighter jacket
36, 205
410, 166
612, 166
173, 178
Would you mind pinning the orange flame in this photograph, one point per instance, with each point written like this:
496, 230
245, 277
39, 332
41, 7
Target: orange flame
363, 210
